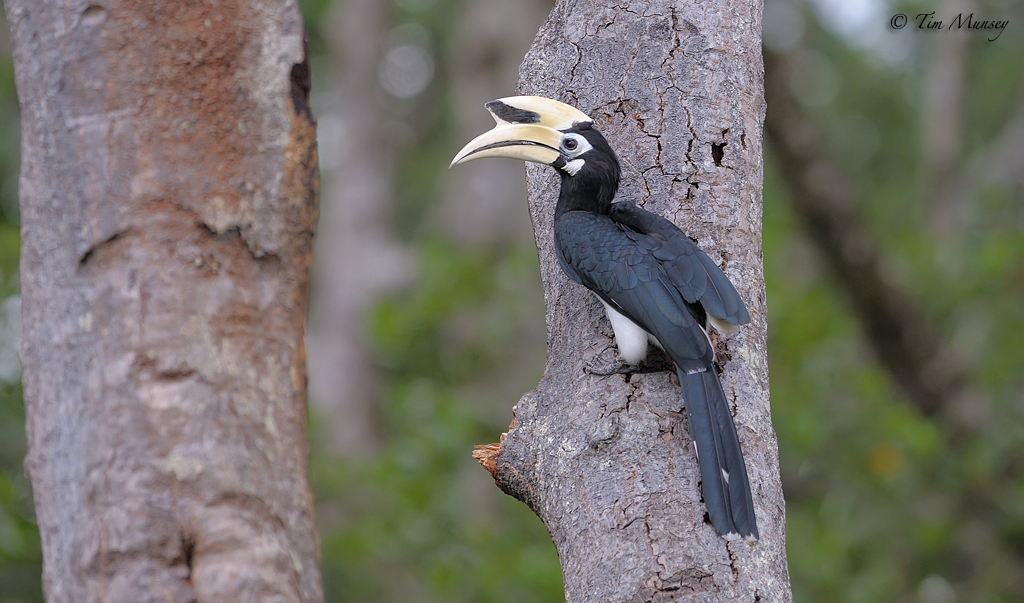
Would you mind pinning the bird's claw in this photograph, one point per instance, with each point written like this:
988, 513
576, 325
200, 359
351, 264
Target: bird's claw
655, 362
602, 368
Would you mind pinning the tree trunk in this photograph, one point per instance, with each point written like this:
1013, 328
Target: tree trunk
607, 462
169, 196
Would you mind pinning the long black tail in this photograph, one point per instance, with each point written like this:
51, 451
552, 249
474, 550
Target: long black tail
723, 474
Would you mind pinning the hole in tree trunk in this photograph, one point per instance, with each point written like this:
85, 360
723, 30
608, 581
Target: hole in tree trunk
717, 152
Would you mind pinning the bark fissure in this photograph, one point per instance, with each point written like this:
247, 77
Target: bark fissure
87, 256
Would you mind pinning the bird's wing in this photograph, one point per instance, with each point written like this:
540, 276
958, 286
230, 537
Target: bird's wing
622, 266
599, 254
692, 272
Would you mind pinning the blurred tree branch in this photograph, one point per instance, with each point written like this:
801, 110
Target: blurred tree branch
822, 195
942, 143
358, 164
908, 346
1001, 162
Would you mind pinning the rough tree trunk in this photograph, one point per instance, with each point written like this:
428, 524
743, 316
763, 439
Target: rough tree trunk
168, 196
607, 462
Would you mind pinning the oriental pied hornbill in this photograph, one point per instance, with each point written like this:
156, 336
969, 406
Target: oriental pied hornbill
655, 283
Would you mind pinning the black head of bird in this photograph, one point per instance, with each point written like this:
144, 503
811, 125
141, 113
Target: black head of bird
541, 130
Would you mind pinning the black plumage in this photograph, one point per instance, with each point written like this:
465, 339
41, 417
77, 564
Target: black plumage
648, 274
645, 267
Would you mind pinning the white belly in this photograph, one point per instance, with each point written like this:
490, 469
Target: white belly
630, 338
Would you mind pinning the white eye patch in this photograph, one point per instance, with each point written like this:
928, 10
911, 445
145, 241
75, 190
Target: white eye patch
574, 145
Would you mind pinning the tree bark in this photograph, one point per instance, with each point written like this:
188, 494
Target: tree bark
169, 196
607, 462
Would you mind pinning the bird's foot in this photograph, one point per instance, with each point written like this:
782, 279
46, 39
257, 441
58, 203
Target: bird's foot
601, 367
655, 362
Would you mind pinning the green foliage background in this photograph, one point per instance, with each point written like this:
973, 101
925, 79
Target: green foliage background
881, 504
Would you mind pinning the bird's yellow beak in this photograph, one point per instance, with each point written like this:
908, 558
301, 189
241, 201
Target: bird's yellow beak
516, 141
528, 128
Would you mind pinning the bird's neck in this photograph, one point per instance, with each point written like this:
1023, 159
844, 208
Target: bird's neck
592, 194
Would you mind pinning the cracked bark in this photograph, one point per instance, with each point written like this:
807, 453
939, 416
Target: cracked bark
607, 462
168, 199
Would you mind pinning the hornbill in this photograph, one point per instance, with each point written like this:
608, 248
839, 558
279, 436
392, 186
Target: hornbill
656, 285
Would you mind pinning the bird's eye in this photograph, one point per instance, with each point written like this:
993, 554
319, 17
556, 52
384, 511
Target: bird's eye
570, 144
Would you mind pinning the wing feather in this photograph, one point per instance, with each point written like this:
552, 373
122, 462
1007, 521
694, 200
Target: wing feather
691, 271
